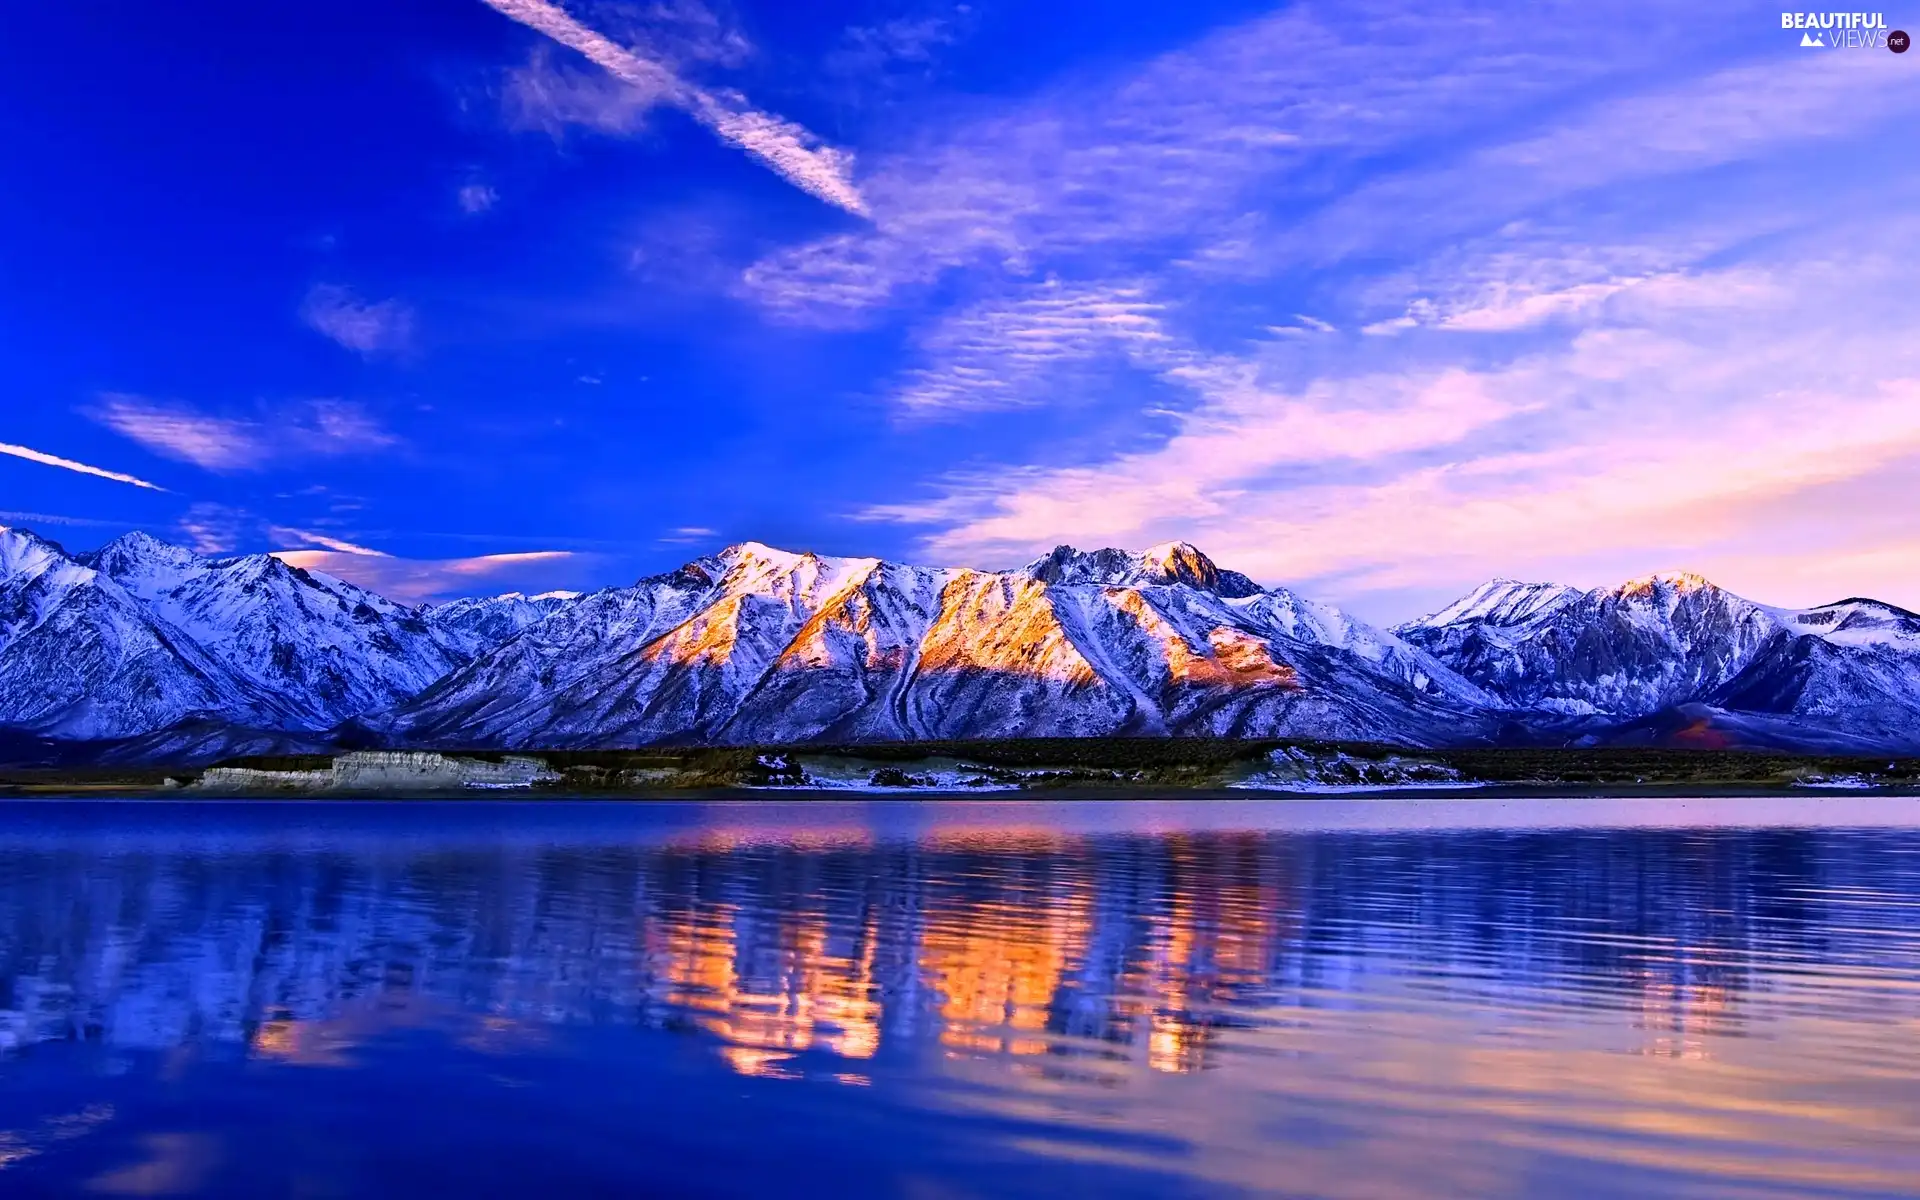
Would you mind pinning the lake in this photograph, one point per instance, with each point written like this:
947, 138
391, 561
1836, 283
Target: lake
1344, 998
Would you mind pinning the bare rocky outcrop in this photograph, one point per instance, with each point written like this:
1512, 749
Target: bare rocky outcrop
386, 771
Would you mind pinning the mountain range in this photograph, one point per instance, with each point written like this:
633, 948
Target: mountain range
146, 650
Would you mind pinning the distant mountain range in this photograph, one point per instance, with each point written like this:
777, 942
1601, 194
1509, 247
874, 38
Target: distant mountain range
143, 650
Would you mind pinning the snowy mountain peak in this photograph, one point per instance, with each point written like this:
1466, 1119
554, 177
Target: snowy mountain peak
1505, 603
1643, 647
252, 567
802, 578
1166, 563
473, 624
758, 558
1183, 562
143, 547
322, 649
1066, 565
762, 644
81, 658
1499, 602
143, 564
24, 553
1856, 621
1868, 603
1677, 582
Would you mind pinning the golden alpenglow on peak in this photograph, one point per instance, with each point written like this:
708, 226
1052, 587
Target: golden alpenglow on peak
1181, 561
1683, 582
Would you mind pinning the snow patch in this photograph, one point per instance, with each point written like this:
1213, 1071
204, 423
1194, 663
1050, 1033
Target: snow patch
1292, 769
1860, 782
930, 775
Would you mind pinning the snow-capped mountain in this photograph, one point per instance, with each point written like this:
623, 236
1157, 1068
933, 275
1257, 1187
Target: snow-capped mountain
82, 659
1848, 671
474, 623
1168, 563
324, 649
1852, 667
762, 645
145, 649
1643, 646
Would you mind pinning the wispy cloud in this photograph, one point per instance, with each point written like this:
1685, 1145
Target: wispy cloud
475, 198
1174, 160
411, 580
1630, 322
551, 98
1004, 354
1307, 326
880, 53
366, 327
1659, 430
789, 150
325, 541
493, 564
1510, 304
1204, 474
178, 432
242, 443
68, 464
38, 518
1170, 158
688, 535
210, 528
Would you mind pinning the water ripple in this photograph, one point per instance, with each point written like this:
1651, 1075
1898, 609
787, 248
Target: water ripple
1009, 998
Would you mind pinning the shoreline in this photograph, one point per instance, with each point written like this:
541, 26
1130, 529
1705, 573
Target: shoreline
1021, 769
1065, 793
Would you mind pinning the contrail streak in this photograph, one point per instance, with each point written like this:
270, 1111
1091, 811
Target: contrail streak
53, 460
791, 151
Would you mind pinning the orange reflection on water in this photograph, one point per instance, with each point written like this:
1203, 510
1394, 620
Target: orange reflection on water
1682, 1020
1003, 955
998, 967
1212, 939
697, 950
809, 996
19, 1146
725, 838
307, 1043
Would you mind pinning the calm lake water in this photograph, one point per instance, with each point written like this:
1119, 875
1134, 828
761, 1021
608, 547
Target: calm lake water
1314, 998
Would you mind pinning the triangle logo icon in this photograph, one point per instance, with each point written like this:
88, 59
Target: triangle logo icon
1812, 39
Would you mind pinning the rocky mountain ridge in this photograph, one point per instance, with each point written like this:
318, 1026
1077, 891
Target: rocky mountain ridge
158, 650
1845, 674
762, 645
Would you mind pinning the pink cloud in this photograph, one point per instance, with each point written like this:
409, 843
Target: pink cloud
1209, 470
366, 327
1688, 421
412, 580
242, 443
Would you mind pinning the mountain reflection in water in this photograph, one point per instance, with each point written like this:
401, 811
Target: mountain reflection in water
1360, 999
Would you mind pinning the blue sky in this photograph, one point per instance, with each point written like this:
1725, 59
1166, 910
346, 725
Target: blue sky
1377, 300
